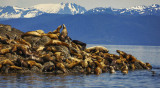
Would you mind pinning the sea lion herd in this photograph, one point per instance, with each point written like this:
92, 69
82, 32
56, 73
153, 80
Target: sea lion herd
61, 54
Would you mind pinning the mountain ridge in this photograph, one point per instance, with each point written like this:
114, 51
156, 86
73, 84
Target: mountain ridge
7, 12
136, 10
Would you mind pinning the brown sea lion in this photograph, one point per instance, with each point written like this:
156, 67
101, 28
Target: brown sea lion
52, 36
22, 41
4, 51
57, 42
31, 33
15, 67
63, 34
47, 58
143, 65
59, 56
122, 53
32, 63
7, 62
57, 31
75, 46
72, 64
112, 69
40, 48
89, 70
98, 71
149, 65
80, 43
21, 49
40, 31
133, 66
131, 58
4, 40
124, 69
61, 67
97, 49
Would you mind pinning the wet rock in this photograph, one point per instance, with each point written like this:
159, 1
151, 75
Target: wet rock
36, 69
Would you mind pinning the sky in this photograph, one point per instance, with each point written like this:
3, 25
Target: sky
88, 4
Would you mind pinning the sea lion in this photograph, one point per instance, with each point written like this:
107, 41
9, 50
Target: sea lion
80, 43
84, 63
15, 67
149, 65
75, 59
75, 53
143, 65
52, 36
89, 70
57, 42
32, 63
61, 67
98, 71
59, 56
31, 33
51, 48
122, 53
72, 64
112, 69
7, 62
57, 31
40, 48
124, 69
100, 64
47, 58
22, 41
4, 51
63, 34
21, 49
133, 66
97, 49
130, 58
40, 31
75, 46
4, 40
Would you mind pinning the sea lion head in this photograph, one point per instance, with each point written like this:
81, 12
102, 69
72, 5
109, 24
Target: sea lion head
57, 31
63, 34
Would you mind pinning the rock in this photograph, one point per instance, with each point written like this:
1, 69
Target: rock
36, 69
36, 51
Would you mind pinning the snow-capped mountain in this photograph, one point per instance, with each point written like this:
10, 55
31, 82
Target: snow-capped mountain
16, 12
7, 12
62, 8
136, 10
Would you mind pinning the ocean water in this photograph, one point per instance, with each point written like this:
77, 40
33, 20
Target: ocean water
138, 78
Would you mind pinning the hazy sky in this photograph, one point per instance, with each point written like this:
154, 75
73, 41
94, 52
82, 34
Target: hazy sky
88, 4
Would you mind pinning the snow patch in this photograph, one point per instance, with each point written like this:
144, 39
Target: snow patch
49, 8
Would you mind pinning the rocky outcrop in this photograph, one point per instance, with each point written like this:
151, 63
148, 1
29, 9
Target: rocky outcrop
57, 53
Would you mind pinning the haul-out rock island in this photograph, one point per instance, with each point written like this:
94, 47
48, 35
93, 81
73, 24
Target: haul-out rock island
55, 52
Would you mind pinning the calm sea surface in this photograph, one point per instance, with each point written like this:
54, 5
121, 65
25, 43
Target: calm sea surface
140, 78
